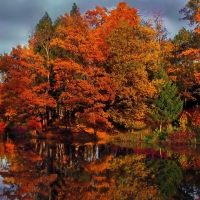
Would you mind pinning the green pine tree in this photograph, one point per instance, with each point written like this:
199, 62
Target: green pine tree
168, 104
43, 33
74, 10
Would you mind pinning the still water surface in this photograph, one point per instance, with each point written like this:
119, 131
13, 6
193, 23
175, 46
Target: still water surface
39, 169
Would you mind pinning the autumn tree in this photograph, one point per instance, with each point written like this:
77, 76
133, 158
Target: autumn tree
24, 94
187, 60
84, 85
133, 58
40, 39
134, 52
183, 67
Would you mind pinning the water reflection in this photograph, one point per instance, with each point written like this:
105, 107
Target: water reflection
39, 169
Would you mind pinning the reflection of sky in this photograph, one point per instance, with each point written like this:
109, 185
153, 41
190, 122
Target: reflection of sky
4, 165
3, 168
195, 193
93, 155
1, 183
3, 188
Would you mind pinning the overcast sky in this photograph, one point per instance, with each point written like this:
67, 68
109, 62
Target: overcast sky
19, 17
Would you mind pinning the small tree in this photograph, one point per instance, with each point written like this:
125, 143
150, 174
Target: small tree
167, 106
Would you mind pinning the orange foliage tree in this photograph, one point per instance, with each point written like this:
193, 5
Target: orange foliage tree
185, 63
131, 54
24, 93
83, 83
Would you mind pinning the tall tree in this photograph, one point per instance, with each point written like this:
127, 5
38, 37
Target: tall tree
126, 46
130, 62
42, 36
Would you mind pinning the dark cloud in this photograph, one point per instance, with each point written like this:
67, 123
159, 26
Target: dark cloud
19, 17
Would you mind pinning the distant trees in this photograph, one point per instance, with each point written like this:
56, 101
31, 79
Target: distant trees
183, 68
190, 11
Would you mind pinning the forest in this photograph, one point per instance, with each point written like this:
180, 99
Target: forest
109, 70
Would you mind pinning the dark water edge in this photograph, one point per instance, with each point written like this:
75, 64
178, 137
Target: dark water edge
53, 169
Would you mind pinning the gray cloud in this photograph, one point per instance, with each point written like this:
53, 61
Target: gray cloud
19, 17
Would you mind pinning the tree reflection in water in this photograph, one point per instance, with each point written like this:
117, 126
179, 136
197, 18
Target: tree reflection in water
55, 170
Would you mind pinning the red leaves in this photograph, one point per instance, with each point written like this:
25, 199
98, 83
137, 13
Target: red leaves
24, 88
2, 126
34, 123
111, 19
9, 147
178, 137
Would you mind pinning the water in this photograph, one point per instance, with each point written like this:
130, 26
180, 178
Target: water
42, 169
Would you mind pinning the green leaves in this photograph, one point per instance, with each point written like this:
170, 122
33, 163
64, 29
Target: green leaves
167, 105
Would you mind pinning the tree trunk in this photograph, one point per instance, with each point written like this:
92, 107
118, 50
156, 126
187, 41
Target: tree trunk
160, 127
95, 133
160, 152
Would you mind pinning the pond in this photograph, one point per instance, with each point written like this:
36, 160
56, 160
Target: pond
44, 169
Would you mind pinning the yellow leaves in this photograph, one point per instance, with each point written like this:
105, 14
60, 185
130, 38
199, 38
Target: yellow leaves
158, 82
131, 73
8, 180
10, 112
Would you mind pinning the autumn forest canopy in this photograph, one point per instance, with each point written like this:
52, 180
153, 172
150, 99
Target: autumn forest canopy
106, 68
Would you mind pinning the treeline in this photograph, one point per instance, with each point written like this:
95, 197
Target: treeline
106, 67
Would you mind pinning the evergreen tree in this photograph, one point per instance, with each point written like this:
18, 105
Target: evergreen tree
167, 106
40, 41
43, 34
74, 10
